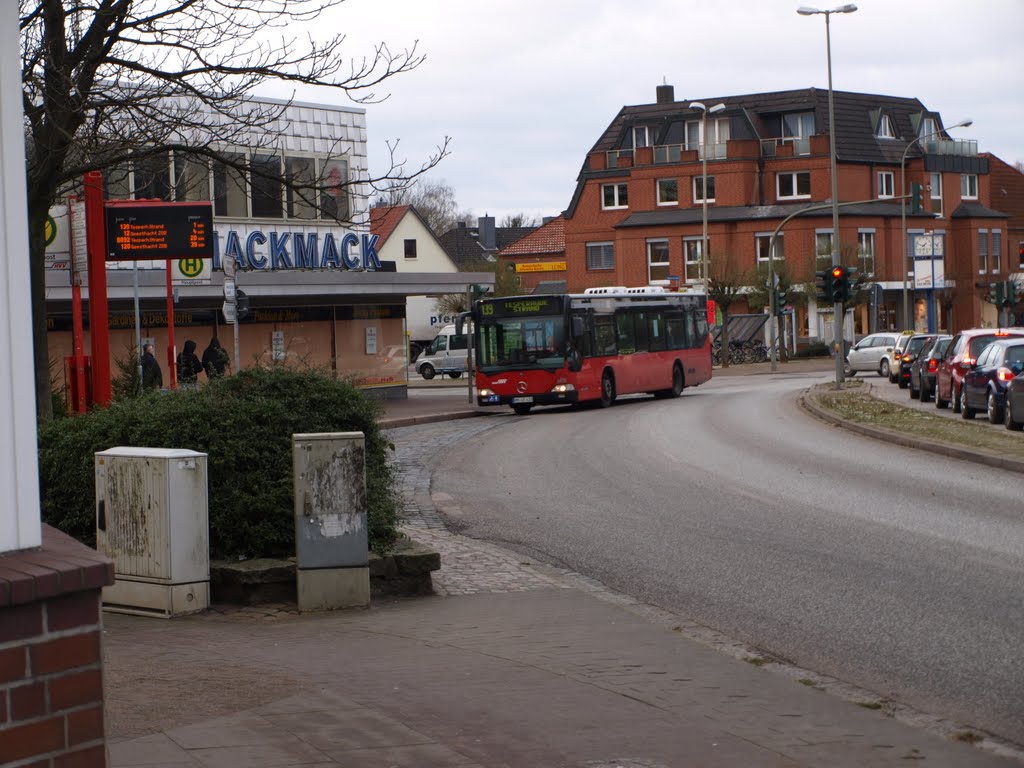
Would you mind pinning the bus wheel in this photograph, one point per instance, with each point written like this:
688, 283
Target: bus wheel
607, 390
521, 409
427, 371
677, 380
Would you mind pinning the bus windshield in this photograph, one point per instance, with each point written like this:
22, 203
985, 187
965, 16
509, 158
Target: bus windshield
530, 342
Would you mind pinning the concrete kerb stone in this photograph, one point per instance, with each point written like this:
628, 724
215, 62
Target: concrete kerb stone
808, 402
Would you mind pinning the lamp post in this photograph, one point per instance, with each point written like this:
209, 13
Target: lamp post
837, 309
704, 256
903, 209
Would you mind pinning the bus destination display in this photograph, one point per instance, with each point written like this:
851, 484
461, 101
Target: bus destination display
159, 231
523, 305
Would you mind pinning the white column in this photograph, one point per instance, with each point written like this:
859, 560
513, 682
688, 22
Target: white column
20, 527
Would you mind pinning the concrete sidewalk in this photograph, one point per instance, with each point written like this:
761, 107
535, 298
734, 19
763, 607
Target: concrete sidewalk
512, 663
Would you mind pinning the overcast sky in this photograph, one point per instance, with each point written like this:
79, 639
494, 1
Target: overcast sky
525, 88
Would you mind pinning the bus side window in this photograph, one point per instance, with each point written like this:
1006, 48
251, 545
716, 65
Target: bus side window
676, 333
604, 336
642, 332
625, 333
581, 339
691, 331
657, 340
701, 332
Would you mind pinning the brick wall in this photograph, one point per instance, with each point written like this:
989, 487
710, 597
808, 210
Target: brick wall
51, 672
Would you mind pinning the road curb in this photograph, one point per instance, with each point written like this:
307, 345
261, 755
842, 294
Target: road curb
978, 457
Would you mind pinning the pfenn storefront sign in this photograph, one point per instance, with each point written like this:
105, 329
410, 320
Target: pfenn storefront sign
143, 229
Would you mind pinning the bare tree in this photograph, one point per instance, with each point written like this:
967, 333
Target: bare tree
519, 220
727, 279
435, 201
111, 84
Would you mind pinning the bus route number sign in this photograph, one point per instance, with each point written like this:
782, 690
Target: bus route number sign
158, 230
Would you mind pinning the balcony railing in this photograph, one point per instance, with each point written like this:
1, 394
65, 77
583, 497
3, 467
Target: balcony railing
957, 147
800, 146
665, 154
615, 154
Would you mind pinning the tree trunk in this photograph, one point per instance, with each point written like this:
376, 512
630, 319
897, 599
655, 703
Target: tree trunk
725, 339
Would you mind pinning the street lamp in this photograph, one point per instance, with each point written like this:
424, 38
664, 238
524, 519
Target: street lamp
903, 208
704, 257
837, 309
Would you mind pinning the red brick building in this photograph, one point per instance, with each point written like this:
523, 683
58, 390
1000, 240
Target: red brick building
637, 213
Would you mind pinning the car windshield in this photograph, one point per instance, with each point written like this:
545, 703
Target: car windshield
917, 343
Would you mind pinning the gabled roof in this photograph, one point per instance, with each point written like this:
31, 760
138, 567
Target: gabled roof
462, 243
547, 238
385, 219
972, 210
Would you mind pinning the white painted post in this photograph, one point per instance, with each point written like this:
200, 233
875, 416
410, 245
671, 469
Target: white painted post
20, 527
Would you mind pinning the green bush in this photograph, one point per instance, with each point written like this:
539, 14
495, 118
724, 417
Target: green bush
244, 423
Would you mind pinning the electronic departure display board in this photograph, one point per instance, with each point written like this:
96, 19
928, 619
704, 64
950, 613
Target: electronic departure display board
516, 306
158, 230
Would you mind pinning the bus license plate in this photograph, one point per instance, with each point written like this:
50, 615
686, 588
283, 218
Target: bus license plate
522, 399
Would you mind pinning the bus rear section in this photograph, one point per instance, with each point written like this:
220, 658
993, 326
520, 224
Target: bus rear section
591, 347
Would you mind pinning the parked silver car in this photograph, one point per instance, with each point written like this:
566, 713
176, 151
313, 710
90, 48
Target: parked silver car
872, 353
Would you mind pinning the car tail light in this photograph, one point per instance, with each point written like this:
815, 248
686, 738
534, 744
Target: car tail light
1005, 374
933, 366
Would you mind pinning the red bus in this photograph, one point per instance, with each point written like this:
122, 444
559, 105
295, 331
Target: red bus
573, 348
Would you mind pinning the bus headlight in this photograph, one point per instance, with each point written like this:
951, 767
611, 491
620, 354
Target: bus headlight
485, 392
561, 388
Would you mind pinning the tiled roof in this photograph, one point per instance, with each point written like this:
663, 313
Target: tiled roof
748, 213
548, 238
856, 115
384, 219
972, 210
463, 243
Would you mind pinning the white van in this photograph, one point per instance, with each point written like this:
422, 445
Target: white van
447, 353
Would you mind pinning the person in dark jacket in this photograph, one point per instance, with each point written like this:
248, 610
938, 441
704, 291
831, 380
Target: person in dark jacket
215, 359
152, 376
189, 365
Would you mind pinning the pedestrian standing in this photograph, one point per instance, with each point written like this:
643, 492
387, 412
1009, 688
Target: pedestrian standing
152, 376
189, 366
215, 359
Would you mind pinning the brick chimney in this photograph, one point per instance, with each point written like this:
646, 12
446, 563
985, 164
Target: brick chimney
666, 94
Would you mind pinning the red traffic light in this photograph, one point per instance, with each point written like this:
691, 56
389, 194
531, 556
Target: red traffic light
838, 272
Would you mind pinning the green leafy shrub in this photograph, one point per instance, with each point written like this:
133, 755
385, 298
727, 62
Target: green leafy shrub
244, 424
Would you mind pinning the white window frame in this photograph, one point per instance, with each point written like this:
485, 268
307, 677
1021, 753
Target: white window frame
794, 176
805, 120
618, 187
718, 134
641, 136
982, 251
969, 186
660, 265
886, 184
697, 199
885, 129
662, 200
866, 251
935, 190
929, 128
819, 237
762, 240
692, 259
603, 254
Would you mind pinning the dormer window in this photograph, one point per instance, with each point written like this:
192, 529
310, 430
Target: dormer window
928, 128
885, 129
799, 125
642, 136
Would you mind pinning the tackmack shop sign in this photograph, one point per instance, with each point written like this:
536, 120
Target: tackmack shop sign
297, 250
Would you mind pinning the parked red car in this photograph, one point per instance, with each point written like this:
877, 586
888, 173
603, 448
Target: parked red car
960, 357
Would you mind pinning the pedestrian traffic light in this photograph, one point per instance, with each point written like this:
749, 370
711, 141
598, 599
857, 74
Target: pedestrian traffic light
821, 288
851, 282
837, 285
1012, 293
915, 198
241, 305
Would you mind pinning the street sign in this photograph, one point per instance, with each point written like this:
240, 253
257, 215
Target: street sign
229, 290
191, 271
228, 309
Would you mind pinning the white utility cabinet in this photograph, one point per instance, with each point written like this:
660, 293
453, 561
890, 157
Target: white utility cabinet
152, 520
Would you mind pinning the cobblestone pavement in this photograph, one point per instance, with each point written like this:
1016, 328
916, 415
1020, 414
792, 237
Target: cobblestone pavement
468, 566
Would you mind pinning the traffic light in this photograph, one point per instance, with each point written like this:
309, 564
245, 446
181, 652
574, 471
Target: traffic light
241, 305
837, 285
1012, 295
821, 289
780, 299
915, 198
851, 283
999, 294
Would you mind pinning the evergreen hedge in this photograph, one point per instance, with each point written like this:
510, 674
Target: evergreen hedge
244, 423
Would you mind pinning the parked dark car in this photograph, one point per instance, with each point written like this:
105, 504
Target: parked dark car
960, 357
922, 370
1013, 417
906, 354
984, 386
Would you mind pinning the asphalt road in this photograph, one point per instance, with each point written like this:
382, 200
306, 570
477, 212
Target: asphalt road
889, 568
